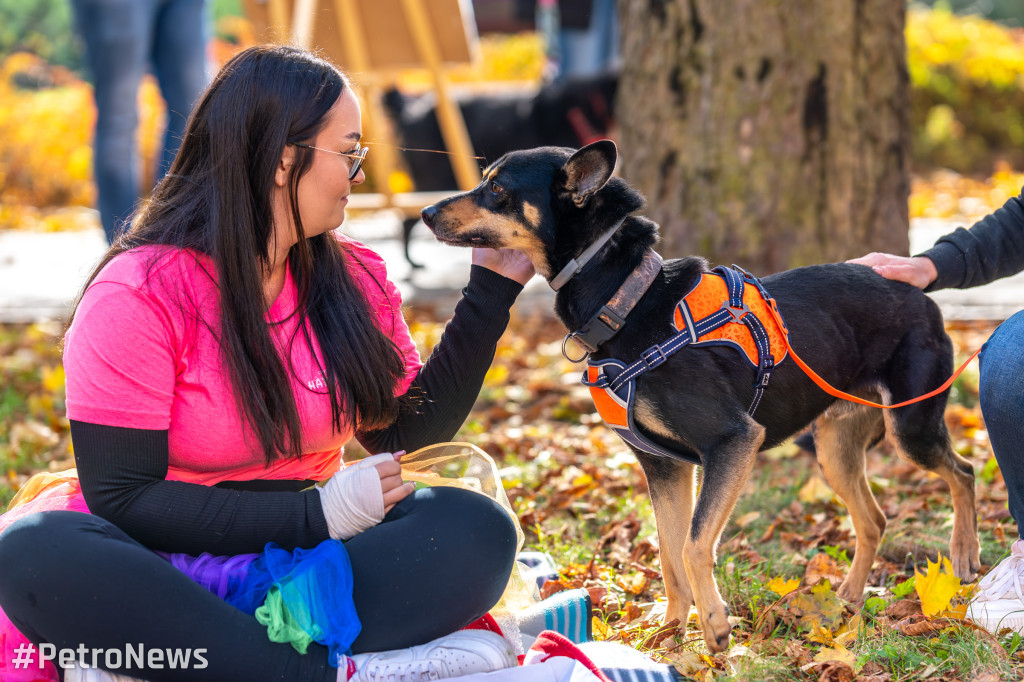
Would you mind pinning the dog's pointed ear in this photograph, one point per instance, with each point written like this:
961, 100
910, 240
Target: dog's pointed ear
588, 170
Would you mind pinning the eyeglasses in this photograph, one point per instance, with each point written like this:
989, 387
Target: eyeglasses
357, 156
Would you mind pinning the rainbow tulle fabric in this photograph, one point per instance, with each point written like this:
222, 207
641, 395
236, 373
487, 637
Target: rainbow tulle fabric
312, 588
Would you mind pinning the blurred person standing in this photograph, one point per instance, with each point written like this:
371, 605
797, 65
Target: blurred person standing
123, 39
587, 36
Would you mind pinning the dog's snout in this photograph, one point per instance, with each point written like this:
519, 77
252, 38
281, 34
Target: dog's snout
428, 214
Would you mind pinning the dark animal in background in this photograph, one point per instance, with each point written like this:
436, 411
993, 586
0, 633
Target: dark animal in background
572, 113
866, 335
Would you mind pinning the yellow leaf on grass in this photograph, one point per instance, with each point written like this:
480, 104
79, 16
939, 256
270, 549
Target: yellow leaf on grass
815, 490
600, 629
688, 662
823, 567
959, 611
819, 608
821, 635
847, 634
634, 584
936, 587
781, 586
836, 652
748, 518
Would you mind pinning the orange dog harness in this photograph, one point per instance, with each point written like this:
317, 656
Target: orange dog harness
728, 306
725, 307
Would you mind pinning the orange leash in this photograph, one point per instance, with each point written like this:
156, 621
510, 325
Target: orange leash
831, 390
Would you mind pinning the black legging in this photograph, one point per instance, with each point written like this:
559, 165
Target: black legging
438, 561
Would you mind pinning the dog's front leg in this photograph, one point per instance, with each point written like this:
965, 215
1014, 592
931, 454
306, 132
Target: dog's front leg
671, 486
726, 471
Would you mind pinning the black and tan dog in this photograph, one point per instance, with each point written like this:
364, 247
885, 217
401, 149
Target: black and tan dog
866, 335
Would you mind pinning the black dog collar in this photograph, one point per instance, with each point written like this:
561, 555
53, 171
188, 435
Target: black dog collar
610, 318
573, 267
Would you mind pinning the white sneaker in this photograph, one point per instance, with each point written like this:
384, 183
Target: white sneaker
999, 600
460, 653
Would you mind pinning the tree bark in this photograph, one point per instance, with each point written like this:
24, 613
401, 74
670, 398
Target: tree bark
768, 133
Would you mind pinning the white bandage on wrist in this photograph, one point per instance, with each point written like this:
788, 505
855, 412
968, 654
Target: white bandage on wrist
352, 499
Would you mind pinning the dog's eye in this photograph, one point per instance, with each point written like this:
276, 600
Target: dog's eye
496, 188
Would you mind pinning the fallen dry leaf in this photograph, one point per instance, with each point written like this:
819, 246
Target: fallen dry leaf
815, 490
781, 586
918, 626
823, 567
833, 670
903, 608
820, 607
937, 586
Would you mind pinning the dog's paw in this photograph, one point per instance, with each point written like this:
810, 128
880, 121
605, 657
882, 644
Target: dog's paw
966, 567
850, 592
717, 629
965, 557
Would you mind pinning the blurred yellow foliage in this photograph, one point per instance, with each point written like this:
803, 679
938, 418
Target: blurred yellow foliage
45, 158
511, 57
46, 132
46, 144
939, 41
967, 90
46, 177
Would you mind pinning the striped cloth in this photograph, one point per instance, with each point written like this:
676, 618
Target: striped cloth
625, 664
567, 613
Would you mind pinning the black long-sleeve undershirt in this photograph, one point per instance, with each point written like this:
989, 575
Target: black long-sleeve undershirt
991, 249
123, 470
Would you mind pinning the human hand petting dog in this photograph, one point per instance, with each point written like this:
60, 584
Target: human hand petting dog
918, 271
360, 495
506, 262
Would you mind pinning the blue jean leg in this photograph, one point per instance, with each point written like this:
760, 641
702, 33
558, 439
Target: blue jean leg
1002, 406
117, 44
589, 51
179, 61
123, 38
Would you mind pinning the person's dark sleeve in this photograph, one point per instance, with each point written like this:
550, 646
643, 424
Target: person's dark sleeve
991, 249
449, 382
122, 474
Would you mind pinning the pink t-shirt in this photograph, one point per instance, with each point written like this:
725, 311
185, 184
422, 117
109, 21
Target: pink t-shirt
143, 353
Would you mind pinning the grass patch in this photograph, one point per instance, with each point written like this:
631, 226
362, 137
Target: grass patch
958, 652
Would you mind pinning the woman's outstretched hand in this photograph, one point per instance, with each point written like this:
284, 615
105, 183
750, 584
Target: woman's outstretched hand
919, 271
506, 262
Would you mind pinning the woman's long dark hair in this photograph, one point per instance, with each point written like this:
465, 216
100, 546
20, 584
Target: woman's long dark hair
216, 200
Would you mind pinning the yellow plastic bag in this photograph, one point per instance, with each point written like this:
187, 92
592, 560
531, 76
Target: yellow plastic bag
464, 465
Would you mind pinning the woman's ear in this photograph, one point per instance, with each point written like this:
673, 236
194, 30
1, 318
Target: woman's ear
284, 165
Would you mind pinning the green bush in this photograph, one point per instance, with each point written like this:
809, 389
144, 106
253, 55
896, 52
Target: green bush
43, 27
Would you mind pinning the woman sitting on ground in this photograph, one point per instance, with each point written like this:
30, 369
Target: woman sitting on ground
218, 359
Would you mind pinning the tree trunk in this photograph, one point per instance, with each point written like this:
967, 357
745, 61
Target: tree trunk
768, 133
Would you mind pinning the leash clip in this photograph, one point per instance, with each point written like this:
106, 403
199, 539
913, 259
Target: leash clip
565, 353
